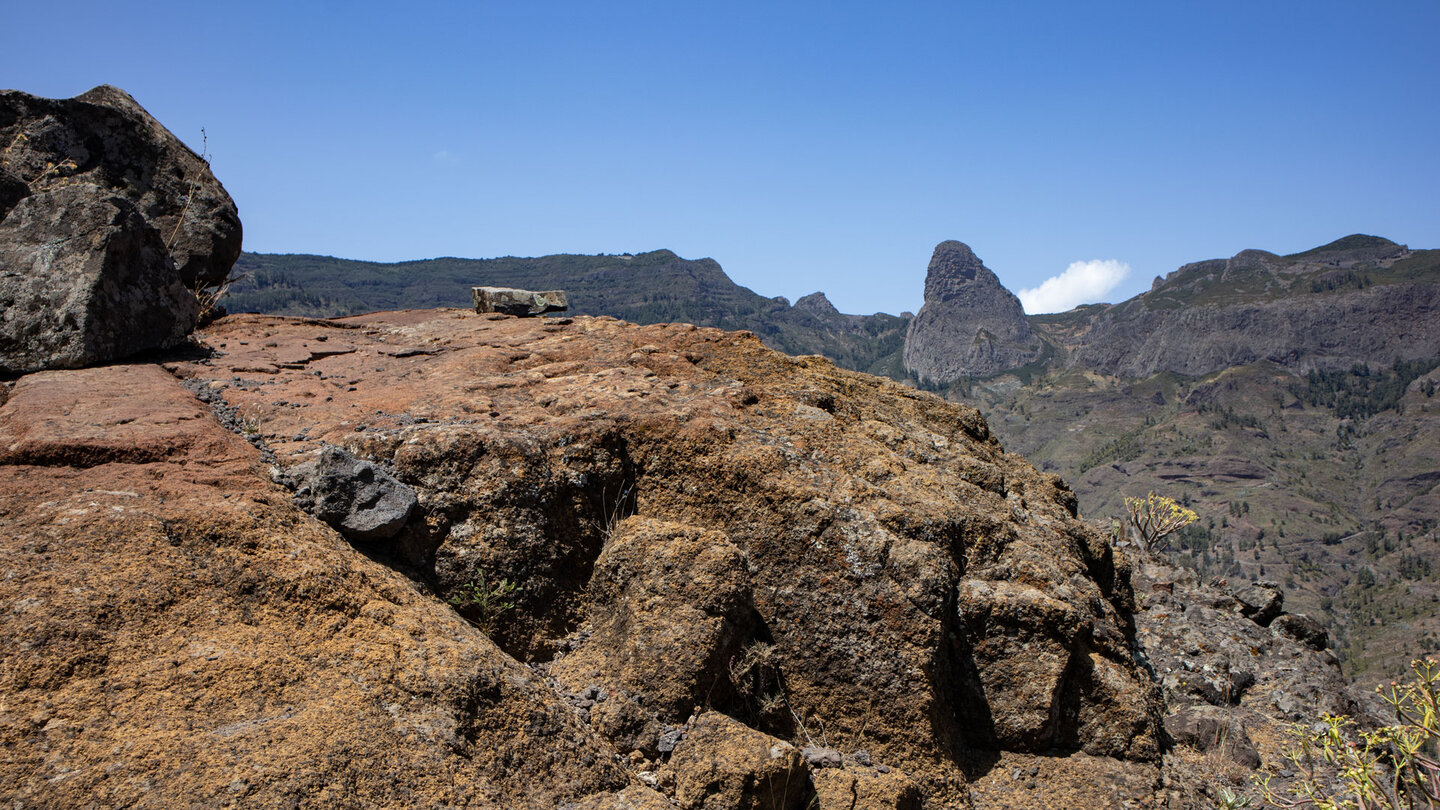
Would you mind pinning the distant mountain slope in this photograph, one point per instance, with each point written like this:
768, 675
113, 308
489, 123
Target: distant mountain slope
652, 287
1361, 299
1290, 400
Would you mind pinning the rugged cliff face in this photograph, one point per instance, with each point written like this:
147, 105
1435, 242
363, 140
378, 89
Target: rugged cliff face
695, 522
1361, 299
970, 325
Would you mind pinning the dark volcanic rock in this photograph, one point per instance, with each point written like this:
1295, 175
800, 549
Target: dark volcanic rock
104, 138
970, 325
359, 498
84, 280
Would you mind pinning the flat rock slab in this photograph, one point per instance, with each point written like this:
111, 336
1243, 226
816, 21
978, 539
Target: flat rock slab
521, 303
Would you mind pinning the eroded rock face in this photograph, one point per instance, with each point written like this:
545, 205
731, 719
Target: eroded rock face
970, 325
802, 545
1311, 310
84, 280
107, 222
112, 143
1232, 685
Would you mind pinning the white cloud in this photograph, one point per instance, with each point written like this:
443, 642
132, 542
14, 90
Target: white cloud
444, 158
1081, 283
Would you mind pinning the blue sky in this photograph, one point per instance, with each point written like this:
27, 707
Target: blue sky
804, 146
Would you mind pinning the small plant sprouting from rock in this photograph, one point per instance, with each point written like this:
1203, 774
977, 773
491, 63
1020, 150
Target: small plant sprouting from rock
1227, 799
1395, 767
484, 603
755, 679
1155, 517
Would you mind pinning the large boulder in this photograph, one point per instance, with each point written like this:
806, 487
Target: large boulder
110, 141
108, 224
84, 280
970, 325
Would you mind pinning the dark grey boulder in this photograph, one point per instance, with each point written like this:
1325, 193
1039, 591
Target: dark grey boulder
1206, 729
1301, 628
84, 280
1260, 602
521, 303
105, 139
357, 497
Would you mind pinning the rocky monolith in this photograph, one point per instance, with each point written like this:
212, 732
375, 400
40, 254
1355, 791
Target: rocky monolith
970, 325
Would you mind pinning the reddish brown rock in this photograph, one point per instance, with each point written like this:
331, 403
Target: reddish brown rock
692, 520
178, 634
923, 591
725, 765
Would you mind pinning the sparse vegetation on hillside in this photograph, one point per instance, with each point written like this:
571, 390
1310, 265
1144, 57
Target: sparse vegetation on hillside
1360, 392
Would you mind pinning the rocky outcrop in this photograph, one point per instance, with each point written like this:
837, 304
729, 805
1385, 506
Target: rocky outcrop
521, 303
105, 139
1361, 299
179, 634
692, 520
970, 325
107, 222
1237, 673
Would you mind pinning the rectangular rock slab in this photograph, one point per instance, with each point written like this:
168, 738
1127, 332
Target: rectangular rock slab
522, 303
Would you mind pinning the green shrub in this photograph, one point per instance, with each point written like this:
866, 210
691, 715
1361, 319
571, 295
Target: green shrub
482, 603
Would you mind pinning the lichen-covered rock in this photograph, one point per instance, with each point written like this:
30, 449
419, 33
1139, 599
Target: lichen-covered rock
1303, 629
103, 138
670, 608
1232, 687
859, 788
521, 303
179, 634
725, 765
84, 280
873, 563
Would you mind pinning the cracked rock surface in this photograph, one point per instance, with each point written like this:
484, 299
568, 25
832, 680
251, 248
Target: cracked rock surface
698, 527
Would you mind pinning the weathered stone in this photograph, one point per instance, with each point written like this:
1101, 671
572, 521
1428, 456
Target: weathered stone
1211, 729
357, 497
84, 280
104, 139
1303, 629
522, 303
670, 609
178, 634
725, 765
854, 789
885, 581
1260, 602
970, 325
817, 756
